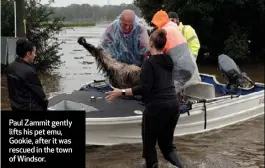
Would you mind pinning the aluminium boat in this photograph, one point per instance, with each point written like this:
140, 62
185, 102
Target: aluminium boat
205, 106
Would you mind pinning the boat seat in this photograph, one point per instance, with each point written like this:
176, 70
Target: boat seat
201, 90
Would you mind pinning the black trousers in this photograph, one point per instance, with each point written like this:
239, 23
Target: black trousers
158, 124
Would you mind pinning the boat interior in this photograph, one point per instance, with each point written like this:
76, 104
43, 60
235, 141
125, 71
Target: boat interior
90, 97
208, 88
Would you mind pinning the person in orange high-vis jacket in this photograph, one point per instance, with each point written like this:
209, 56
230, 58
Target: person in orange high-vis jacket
186, 72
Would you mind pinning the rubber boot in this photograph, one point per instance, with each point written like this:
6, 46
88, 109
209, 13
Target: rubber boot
155, 165
143, 164
174, 159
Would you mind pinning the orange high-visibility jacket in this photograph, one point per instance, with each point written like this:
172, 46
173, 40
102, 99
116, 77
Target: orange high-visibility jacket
185, 67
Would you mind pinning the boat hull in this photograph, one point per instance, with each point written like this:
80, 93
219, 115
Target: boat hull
120, 122
112, 131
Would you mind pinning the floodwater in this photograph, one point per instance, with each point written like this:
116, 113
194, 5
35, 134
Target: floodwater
237, 146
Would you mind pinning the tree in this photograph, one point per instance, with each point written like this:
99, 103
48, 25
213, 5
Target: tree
148, 8
95, 13
44, 38
47, 43
7, 18
223, 26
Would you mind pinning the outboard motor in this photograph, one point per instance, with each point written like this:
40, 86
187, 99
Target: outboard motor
232, 74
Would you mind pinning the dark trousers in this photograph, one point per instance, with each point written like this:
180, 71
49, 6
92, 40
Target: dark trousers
158, 125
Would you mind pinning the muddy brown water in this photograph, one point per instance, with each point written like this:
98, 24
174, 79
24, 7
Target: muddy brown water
237, 146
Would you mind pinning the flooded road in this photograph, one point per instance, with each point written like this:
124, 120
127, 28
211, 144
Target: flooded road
237, 146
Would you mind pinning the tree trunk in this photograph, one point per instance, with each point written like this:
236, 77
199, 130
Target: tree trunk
20, 14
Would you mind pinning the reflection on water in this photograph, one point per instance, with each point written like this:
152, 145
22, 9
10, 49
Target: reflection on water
236, 146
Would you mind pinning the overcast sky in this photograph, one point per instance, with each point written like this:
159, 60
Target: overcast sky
91, 2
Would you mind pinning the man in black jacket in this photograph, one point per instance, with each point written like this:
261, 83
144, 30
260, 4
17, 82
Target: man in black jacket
24, 87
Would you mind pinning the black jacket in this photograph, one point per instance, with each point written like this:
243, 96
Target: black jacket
24, 87
156, 79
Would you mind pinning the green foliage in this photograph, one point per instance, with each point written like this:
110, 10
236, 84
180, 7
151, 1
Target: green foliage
148, 8
223, 26
236, 44
7, 18
44, 38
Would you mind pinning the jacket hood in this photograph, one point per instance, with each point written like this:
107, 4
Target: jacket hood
164, 61
160, 18
180, 24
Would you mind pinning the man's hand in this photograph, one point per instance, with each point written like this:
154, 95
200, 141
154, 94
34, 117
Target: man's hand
81, 41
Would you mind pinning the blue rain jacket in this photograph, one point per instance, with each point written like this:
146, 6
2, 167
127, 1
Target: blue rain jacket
127, 48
